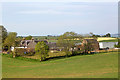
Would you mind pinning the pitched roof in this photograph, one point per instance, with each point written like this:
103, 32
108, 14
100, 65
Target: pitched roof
27, 42
52, 44
91, 40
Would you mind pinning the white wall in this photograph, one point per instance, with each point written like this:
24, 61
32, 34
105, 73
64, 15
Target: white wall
12, 48
107, 44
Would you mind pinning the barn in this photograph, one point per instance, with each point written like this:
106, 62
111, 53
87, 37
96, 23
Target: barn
107, 44
30, 43
94, 44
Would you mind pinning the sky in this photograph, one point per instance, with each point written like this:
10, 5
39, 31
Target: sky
56, 18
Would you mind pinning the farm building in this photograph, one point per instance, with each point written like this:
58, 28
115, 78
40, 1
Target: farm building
93, 42
30, 43
52, 45
107, 44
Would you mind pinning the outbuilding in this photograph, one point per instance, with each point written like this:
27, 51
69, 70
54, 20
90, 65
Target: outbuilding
107, 44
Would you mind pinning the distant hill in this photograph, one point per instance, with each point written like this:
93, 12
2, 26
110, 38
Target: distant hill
112, 35
115, 35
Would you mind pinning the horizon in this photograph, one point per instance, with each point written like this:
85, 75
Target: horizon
60, 34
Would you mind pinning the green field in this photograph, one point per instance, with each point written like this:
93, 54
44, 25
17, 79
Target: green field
114, 40
101, 65
44, 37
99, 39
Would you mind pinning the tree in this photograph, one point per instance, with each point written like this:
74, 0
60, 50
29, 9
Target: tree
28, 37
4, 33
10, 40
117, 45
18, 40
42, 49
108, 35
45, 37
91, 34
87, 47
67, 42
94, 36
98, 36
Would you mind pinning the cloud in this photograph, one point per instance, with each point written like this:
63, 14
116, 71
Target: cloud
58, 9
62, 8
49, 12
93, 17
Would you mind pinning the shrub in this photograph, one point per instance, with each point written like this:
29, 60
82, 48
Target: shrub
42, 49
23, 51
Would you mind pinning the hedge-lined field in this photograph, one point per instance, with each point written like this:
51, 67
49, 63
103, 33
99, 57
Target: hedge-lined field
107, 39
101, 65
100, 39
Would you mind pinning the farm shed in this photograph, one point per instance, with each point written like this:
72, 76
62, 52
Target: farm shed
28, 44
107, 44
93, 42
12, 48
52, 45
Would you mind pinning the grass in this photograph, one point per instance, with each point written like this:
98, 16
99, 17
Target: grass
102, 65
44, 37
114, 40
102, 39
51, 54
52, 40
105, 39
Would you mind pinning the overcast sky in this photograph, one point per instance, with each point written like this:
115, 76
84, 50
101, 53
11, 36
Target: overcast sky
55, 18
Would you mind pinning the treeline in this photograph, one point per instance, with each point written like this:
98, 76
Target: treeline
65, 41
93, 35
10, 39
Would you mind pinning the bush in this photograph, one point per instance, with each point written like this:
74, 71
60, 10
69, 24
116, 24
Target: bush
23, 51
117, 45
42, 50
76, 53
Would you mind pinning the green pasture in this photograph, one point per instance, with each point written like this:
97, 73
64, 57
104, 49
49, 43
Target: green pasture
100, 65
114, 40
54, 39
45, 37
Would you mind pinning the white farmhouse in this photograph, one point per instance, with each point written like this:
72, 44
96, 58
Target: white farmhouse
12, 48
107, 44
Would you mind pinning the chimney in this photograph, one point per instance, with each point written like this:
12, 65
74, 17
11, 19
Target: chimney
32, 39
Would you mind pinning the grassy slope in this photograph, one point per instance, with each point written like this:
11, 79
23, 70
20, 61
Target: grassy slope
87, 66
